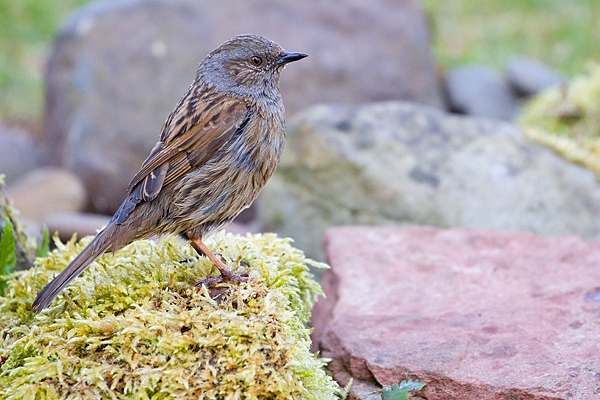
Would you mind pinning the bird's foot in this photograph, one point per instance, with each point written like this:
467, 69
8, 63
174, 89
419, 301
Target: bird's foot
226, 275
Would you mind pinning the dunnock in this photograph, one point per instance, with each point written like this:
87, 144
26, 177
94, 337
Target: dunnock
216, 151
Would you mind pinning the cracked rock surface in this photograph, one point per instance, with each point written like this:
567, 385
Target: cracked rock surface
475, 314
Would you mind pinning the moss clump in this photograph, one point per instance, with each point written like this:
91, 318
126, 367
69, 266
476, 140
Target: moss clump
134, 326
567, 119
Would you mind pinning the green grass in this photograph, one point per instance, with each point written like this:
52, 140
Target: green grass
27, 28
563, 33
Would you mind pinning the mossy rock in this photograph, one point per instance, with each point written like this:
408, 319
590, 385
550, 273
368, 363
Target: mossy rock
133, 326
567, 119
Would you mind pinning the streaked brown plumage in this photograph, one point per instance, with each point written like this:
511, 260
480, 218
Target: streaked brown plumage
216, 151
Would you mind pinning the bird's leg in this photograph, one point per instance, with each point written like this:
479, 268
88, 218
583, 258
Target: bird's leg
226, 274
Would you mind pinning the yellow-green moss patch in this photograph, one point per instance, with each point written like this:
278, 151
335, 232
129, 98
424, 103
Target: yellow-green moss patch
133, 326
567, 119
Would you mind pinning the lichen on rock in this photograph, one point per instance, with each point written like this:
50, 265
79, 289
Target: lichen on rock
134, 326
567, 119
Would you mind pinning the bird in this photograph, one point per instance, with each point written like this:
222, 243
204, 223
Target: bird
215, 152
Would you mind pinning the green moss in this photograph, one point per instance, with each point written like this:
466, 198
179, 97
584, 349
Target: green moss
567, 119
134, 326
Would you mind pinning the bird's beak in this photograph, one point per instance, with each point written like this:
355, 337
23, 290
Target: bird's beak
288, 57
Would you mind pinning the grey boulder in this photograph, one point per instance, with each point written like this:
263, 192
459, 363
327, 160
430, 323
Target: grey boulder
480, 92
19, 154
119, 67
528, 76
400, 163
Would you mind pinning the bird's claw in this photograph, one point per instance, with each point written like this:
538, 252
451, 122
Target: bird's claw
225, 276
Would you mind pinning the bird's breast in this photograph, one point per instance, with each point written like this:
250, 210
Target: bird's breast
259, 145
229, 183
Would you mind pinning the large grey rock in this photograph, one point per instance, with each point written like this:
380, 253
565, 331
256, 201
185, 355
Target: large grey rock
404, 164
528, 76
479, 91
119, 67
18, 153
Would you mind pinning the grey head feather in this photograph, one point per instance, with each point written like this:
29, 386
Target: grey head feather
232, 67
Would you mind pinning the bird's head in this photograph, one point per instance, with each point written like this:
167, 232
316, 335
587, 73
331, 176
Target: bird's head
246, 65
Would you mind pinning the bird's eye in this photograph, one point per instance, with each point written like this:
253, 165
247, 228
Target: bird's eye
256, 61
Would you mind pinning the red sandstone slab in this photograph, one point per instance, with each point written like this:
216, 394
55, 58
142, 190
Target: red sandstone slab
474, 314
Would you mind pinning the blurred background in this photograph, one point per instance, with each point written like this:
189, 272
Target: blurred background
563, 34
85, 88
27, 32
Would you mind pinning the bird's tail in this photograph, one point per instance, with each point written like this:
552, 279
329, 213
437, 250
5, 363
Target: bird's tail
102, 242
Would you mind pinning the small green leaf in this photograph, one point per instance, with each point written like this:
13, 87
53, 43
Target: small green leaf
402, 391
44, 244
7, 253
7, 248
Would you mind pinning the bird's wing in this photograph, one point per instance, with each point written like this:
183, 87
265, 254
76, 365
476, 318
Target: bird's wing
193, 133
